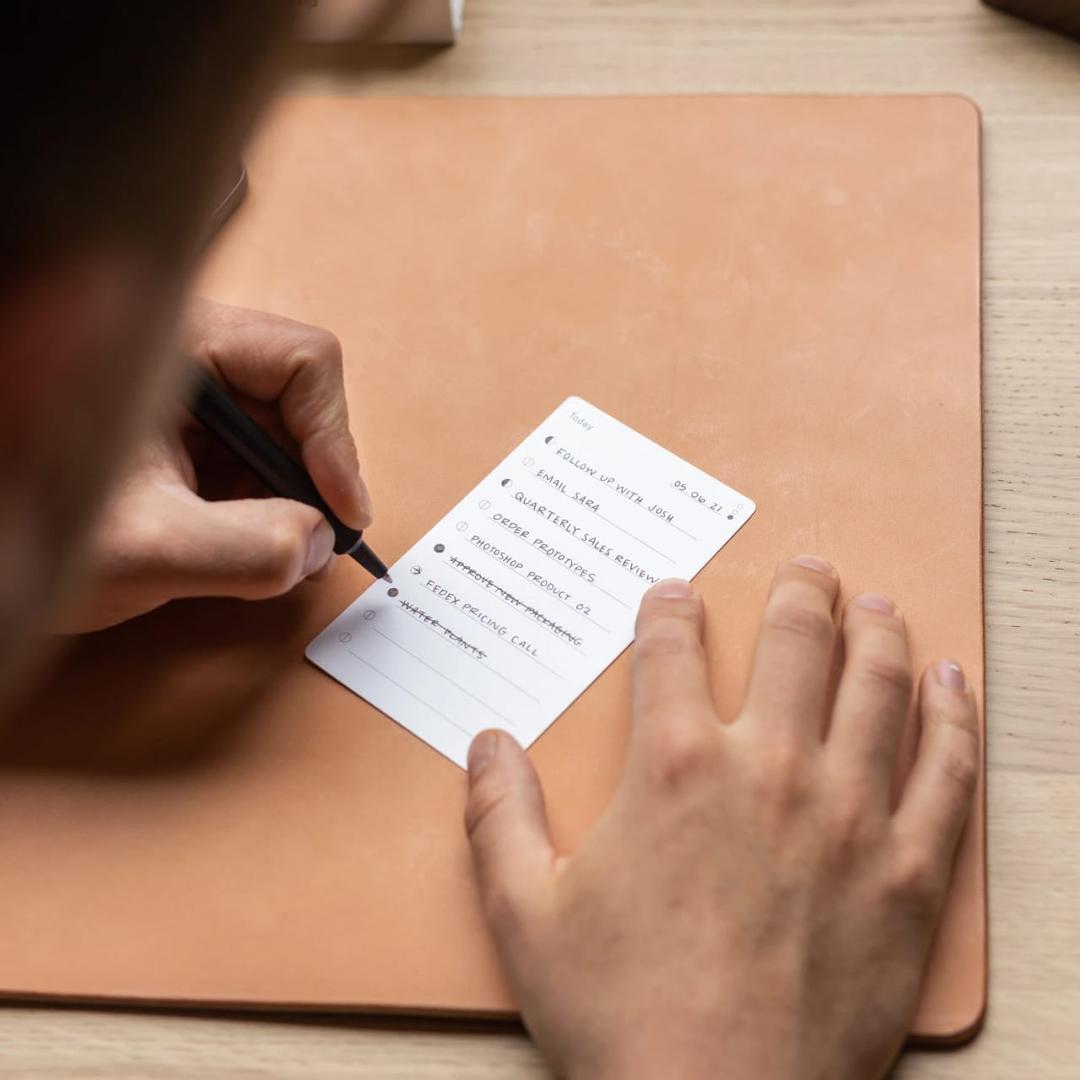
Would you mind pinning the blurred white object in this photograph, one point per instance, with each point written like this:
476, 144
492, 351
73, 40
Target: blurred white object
414, 22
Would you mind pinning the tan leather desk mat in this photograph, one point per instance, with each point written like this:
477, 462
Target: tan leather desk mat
785, 291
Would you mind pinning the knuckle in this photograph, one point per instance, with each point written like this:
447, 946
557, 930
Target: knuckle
783, 792
682, 756
286, 546
659, 638
886, 675
918, 881
325, 347
138, 538
485, 798
961, 766
660, 609
317, 354
783, 778
501, 910
797, 618
849, 830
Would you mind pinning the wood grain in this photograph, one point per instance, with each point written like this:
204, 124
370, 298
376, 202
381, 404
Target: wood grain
1027, 83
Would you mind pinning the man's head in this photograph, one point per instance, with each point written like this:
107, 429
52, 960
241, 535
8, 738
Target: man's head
121, 120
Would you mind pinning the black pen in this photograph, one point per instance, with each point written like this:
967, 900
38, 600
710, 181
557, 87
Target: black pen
215, 409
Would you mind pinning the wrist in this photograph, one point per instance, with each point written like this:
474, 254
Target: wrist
684, 1058
670, 1062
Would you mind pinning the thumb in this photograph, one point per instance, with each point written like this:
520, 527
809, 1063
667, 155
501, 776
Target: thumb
248, 548
508, 830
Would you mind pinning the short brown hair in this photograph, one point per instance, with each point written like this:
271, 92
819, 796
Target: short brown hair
112, 110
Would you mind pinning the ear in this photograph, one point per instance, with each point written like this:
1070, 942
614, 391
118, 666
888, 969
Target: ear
56, 324
77, 338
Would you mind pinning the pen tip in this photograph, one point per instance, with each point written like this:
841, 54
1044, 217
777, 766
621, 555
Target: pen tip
387, 577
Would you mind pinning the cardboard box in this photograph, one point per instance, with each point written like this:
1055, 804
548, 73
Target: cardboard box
1060, 15
414, 22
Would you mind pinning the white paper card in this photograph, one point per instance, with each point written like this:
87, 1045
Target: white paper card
518, 599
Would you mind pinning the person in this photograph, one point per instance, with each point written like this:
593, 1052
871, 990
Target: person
754, 903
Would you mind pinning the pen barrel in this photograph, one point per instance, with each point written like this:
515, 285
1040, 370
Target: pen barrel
222, 417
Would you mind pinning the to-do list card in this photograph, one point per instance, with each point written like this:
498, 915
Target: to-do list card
518, 599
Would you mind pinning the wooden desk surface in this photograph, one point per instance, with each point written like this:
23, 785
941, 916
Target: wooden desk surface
1028, 85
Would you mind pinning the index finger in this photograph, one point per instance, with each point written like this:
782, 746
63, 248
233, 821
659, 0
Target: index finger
299, 369
673, 707
789, 678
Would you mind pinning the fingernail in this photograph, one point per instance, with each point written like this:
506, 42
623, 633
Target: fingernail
673, 587
481, 752
320, 547
875, 602
950, 675
812, 562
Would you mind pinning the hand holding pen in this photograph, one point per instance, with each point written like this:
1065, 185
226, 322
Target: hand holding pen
181, 522
216, 409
